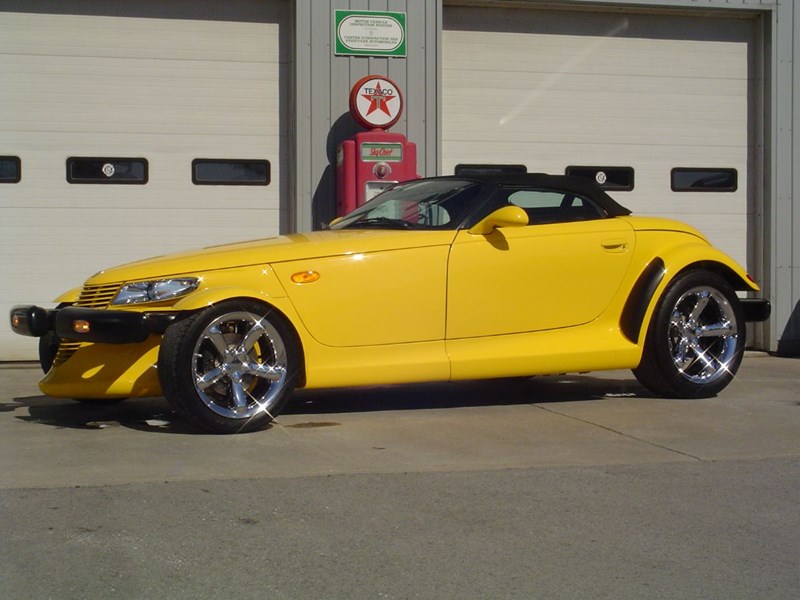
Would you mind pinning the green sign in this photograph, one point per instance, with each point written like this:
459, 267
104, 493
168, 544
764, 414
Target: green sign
370, 33
377, 152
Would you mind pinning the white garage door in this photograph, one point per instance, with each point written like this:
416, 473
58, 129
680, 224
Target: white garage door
553, 89
162, 91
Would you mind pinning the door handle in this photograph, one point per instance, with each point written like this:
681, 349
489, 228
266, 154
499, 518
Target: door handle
615, 245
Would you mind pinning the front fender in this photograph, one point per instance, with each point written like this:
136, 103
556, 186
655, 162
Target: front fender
259, 283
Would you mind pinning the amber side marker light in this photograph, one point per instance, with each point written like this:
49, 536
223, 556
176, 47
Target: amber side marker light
305, 277
81, 326
15, 321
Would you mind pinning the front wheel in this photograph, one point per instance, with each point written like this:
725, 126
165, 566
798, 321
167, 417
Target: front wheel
696, 338
229, 368
48, 349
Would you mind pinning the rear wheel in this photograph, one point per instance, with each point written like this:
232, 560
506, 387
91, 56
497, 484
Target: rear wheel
696, 338
230, 368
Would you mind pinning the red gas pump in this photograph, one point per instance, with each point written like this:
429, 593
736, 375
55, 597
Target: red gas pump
373, 160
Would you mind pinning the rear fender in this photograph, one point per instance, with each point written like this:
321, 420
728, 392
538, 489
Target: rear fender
653, 282
699, 256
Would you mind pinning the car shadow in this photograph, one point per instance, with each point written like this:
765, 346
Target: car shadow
489, 392
144, 414
154, 415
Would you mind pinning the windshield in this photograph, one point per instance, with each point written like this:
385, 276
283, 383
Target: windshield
423, 204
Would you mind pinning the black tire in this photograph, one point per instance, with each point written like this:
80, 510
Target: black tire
48, 345
230, 368
48, 348
695, 341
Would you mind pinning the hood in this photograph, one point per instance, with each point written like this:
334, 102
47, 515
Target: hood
271, 250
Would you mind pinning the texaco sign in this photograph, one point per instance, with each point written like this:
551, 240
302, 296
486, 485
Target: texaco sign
376, 102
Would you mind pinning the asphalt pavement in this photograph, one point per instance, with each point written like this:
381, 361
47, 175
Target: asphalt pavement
573, 486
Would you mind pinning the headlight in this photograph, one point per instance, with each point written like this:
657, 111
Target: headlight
154, 291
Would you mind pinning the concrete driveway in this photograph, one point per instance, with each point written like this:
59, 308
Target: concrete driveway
577, 486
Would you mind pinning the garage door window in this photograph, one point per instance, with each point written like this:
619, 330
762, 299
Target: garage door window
208, 171
107, 170
609, 178
10, 169
704, 180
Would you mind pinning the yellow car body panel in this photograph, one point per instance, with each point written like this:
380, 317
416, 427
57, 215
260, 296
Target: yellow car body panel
597, 346
258, 282
383, 296
417, 362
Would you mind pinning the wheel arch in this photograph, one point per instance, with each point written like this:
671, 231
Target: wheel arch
738, 279
280, 305
659, 273
685, 257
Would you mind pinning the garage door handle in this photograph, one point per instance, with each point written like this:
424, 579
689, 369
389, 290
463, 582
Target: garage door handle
615, 245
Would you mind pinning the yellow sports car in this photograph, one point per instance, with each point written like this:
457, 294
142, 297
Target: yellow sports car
479, 275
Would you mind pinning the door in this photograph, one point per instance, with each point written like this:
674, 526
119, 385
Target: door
561, 270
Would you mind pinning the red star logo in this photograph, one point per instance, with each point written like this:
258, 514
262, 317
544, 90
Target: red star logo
378, 101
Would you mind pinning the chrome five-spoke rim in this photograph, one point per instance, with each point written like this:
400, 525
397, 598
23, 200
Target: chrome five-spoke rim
239, 365
703, 335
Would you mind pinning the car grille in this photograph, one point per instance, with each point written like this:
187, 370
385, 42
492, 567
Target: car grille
65, 350
97, 296
92, 296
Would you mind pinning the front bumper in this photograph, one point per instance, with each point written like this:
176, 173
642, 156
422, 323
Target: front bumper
90, 324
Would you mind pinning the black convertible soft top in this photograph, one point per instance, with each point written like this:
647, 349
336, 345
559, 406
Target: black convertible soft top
500, 176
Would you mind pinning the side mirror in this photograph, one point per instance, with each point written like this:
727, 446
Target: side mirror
508, 216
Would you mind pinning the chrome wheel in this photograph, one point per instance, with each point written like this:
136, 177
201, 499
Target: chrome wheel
695, 340
231, 367
703, 335
239, 365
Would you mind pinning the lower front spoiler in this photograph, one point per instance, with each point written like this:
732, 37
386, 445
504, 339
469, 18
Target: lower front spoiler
101, 371
90, 324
